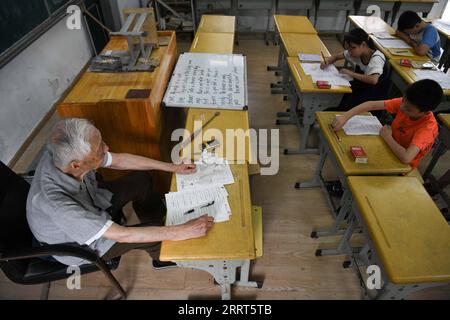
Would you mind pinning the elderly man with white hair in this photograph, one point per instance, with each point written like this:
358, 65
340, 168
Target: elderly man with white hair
66, 203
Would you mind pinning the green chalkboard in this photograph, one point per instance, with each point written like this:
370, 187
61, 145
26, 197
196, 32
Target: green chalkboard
19, 17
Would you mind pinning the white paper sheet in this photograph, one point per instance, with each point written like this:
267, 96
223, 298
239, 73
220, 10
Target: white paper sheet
394, 43
211, 170
437, 76
330, 74
362, 125
189, 204
307, 57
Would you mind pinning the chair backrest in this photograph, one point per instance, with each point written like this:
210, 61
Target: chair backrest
14, 229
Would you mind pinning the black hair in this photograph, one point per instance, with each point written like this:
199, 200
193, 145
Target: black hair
408, 20
358, 36
425, 94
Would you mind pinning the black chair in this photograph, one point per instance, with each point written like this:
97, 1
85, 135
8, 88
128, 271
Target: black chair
24, 263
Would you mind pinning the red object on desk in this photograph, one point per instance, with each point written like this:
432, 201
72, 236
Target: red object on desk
405, 62
323, 84
358, 154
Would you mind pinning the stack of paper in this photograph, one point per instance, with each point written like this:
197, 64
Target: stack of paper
330, 74
189, 204
202, 192
307, 57
438, 76
362, 125
394, 43
443, 24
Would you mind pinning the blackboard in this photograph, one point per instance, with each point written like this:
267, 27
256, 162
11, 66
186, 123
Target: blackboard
19, 17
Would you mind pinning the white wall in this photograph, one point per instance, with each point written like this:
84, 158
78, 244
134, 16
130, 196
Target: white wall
32, 82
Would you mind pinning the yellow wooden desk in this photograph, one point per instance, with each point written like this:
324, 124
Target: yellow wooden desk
233, 120
312, 100
292, 44
402, 77
213, 42
389, 54
371, 24
336, 146
295, 43
217, 23
293, 24
228, 245
408, 237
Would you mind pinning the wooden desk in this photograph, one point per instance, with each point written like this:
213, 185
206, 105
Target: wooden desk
133, 125
228, 245
228, 119
408, 237
213, 42
291, 45
228, 240
402, 77
295, 43
370, 24
389, 55
312, 100
381, 162
217, 24
293, 24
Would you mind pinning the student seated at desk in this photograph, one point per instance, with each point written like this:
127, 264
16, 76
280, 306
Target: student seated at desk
370, 75
414, 128
420, 35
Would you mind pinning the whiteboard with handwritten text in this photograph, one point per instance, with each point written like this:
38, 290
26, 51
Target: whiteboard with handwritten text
205, 80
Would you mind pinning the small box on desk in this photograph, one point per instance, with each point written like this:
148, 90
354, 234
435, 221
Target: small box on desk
323, 84
358, 154
405, 63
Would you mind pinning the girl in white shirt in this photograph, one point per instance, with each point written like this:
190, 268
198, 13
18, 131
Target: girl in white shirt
370, 76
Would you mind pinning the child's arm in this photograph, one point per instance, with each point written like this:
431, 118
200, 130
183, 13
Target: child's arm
332, 59
404, 155
340, 120
421, 49
366, 78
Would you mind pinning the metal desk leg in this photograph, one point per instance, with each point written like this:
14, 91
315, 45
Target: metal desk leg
344, 244
224, 273
345, 207
292, 114
280, 58
316, 181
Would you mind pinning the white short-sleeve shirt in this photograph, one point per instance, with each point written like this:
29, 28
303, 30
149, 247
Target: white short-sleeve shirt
375, 65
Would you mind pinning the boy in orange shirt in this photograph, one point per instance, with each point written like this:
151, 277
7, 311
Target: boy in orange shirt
414, 128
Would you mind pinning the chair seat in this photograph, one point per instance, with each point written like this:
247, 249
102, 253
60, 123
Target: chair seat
39, 270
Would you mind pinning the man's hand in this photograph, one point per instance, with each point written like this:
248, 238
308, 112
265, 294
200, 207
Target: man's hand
184, 168
339, 122
386, 132
195, 228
